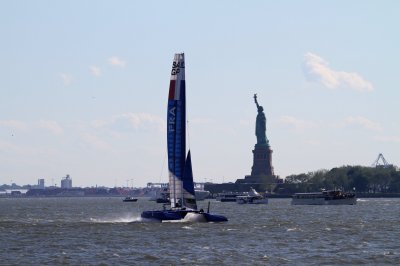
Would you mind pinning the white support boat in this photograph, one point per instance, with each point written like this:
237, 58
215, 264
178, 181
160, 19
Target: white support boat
229, 197
325, 197
201, 194
253, 197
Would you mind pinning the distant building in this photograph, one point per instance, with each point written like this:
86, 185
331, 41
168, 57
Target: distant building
66, 182
40, 183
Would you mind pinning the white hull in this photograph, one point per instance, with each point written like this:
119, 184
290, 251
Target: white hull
252, 197
256, 201
322, 201
201, 194
325, 197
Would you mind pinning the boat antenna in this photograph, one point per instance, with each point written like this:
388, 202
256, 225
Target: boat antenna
162, 168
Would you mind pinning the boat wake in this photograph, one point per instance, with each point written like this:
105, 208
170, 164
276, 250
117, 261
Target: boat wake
189, 218
129, 218
195, 218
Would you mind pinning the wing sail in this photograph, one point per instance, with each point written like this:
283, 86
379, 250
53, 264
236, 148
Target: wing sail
176, 129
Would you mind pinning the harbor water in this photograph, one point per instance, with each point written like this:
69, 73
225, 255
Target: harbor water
107, 231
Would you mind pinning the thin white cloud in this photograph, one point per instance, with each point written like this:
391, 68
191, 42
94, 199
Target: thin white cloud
297, 123
143, 119
66, 79
318, 70
51, 126
313, 142
390, 139
6, 146
116, 61
96, 71
24, 151
95, 141
98, 123
13, 124
135, 120
201, 120
246, 123
363, 122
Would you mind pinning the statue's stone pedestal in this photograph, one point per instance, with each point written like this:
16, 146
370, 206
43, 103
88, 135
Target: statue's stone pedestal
262, 176
262, 160
260, 183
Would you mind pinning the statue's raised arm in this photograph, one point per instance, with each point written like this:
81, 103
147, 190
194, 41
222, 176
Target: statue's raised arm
255, 100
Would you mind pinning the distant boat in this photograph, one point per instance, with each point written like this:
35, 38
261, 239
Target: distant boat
181, 186
162, 195
325, 197
129, 199
253, 197
229, 197
201, 194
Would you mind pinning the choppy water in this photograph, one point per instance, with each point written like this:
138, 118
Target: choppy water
98, 231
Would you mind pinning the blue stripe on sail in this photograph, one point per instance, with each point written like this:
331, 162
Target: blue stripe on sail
171, 132
176, 137
180, 137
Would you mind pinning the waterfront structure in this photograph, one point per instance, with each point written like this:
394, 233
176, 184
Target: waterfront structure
40, 184
384, 164
66, 182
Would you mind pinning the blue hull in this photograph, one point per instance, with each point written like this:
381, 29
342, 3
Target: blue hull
171, 215
215, 217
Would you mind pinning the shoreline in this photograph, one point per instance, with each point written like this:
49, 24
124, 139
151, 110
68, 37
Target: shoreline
271, 196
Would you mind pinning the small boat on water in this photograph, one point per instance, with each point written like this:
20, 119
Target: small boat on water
229, 197
253, 197
162, 195
200, 193
181, 186
129, 199
325, 197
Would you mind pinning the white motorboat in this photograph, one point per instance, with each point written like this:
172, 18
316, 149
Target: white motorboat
253, 197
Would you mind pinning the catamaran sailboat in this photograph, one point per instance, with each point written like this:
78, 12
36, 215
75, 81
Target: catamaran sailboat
181, 186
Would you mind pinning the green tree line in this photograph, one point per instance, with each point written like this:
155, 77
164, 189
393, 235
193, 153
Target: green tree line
347, 178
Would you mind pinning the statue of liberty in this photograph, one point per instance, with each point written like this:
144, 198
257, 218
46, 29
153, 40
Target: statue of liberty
261, 122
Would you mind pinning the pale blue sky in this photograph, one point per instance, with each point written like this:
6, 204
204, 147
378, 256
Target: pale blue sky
84, 86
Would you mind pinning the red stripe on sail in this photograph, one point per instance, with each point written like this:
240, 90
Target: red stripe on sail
171, 94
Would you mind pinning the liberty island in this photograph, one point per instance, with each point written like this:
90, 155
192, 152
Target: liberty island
262, 176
